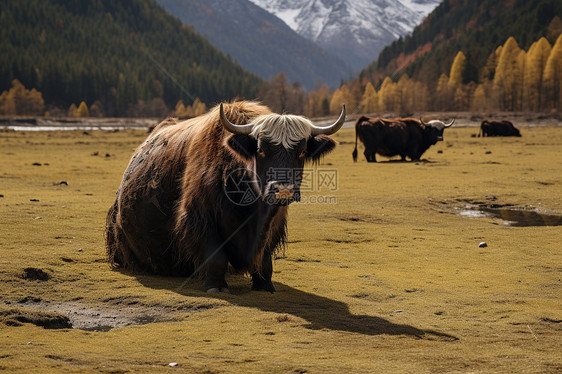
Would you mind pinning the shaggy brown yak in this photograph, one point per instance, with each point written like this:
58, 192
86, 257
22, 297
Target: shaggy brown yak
213, 190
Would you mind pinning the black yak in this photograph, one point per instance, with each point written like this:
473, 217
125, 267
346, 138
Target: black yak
406, 137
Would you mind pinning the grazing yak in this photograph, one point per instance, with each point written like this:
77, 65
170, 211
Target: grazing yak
401, 136
498, 128
213, 190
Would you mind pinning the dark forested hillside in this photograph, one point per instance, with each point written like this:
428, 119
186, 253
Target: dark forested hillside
475, 27
120, 53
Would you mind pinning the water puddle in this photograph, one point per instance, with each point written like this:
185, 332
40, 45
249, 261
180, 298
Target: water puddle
512, 215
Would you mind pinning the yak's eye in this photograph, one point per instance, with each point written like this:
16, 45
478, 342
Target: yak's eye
261, 153
303, 153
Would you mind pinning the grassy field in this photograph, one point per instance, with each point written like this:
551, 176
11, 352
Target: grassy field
387, 279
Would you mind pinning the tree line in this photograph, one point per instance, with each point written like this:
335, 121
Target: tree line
123, 58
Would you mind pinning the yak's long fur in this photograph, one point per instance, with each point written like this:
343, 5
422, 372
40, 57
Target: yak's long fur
171, 202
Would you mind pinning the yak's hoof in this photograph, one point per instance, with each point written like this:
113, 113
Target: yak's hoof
263, 286
216, 289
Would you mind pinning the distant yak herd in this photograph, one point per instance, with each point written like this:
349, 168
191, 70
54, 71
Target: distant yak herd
213, 191
408, 137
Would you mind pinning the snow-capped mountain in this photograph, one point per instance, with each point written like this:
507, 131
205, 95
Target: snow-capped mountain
354, 30
260, 41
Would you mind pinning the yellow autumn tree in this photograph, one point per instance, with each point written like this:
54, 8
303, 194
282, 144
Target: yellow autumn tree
388, 95
179, 110
419, 97
443, 94
369, 101
479, 99
535, 63
319, 102
196, 109
72, 110
553, 76
341, 96
82, 110
489, 70
508, 80
20, 101
457, 70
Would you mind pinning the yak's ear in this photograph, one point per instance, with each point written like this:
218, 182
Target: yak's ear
318, 146
245, 146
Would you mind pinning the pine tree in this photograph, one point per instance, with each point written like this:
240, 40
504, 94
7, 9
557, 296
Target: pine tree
553, 76
457, 70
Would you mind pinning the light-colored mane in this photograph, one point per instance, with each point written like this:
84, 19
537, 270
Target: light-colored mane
286, 130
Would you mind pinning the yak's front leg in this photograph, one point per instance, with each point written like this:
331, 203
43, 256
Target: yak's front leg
216, 265
262, 280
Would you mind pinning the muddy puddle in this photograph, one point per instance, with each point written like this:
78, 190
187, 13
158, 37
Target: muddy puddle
77, 315
518, 216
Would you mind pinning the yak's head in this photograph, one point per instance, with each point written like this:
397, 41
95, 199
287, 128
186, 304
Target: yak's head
434, 129
276, 148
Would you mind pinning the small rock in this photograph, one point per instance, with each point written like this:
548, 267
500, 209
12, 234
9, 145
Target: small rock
488, 152
36, 164
1, 195
38, 217
107, 155
398, 310
173, 364
482, 245
34, 200
63, 183
79, 249
95, 153
439, 151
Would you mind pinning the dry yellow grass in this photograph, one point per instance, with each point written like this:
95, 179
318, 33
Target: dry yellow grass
386, 280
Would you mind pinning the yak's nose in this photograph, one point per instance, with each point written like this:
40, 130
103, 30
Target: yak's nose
283, 191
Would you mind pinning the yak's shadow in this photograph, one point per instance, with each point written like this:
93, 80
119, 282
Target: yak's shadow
320, 312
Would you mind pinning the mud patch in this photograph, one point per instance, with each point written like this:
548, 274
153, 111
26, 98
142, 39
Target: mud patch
35, 274
48, 320
357, 218
84, 317
511, 215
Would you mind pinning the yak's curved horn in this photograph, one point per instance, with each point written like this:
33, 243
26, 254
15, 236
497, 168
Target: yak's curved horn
422, 122
333, 128
450, 124
235, 129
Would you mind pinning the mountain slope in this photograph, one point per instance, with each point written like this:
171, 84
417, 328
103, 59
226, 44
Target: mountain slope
116, 52
354, 30
259, 41
475, 27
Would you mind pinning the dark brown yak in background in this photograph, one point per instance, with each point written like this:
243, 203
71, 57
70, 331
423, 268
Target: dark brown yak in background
213, 190
399, 136
498, 128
